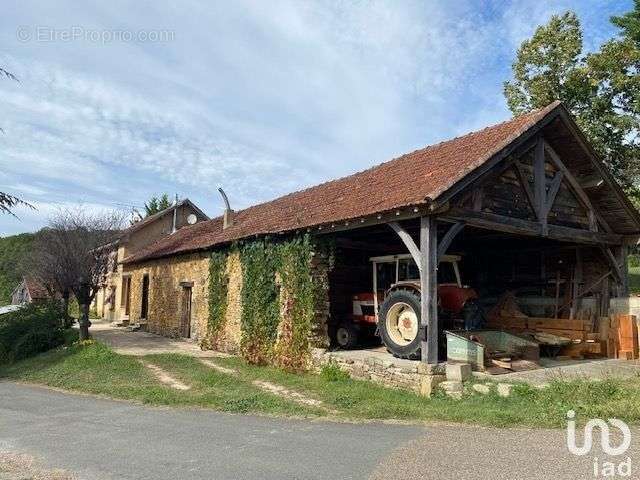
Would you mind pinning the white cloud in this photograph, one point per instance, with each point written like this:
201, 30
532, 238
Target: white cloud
260, 97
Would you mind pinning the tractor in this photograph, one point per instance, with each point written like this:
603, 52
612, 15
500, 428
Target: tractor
392, 310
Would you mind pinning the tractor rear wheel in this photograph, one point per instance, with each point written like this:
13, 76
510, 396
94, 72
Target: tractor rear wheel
399, 324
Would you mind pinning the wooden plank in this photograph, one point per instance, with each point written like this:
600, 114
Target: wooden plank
408, 241
429, 288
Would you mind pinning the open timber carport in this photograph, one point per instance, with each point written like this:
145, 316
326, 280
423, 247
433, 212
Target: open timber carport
537, 216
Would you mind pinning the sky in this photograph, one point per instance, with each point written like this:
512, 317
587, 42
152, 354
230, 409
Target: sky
117, 101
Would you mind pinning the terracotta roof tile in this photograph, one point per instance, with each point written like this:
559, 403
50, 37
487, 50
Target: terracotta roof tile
37, 291
409, 180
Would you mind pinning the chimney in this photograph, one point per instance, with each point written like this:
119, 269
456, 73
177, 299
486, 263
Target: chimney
174, 225
227, 219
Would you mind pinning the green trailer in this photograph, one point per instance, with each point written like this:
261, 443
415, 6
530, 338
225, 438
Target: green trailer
476, 346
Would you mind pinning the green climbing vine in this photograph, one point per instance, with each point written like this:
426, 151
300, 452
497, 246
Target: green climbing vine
260, 309
279, 299
218, 282
297, 303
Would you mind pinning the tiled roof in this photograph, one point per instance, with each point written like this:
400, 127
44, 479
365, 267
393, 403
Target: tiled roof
152, 218
36, 289
409, 180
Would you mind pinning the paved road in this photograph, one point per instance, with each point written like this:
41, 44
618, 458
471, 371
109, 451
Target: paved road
104, 439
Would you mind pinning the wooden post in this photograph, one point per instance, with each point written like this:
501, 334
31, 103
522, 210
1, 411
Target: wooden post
429, 288
540, 185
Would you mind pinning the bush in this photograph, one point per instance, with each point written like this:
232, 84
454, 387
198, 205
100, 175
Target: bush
332, 373
634, 260
30, 330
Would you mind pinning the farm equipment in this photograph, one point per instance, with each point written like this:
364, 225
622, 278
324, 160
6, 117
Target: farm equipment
393, 309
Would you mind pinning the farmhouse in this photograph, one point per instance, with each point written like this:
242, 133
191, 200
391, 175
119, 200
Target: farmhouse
29, 290
112, 300
518, 226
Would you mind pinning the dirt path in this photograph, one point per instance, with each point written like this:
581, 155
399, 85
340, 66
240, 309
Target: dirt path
142, 343
165, 378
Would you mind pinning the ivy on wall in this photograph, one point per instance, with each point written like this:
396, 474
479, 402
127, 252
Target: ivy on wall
260, 295
297, 303
279, 299
218, 286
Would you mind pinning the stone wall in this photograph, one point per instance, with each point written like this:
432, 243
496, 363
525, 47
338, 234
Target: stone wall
228, 339
321, 264
167, 275
167, 278
364, 365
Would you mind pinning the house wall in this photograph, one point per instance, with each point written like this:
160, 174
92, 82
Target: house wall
166, 279
165, 307
130, 244
20, 295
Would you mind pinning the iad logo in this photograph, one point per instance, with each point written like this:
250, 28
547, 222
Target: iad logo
606, 469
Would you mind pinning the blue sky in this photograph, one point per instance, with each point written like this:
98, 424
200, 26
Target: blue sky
119, 100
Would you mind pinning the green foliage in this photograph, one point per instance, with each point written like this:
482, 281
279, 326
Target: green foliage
298, 302
157, 204
260, 295
278, 301
13, 252
331, 372
601, 89
218, 287
634, 260
29, 330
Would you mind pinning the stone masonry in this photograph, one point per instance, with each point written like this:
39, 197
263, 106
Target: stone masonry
167, 278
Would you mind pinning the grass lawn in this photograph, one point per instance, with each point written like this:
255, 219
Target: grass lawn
97, 369
634, 279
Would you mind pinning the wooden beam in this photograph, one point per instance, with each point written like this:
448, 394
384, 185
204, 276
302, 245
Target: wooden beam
477, 198
577, 189
540, 184
599, 165
517, 148
408, 241
613, 263
553, 192
517, 166
445, 243
429, 288
501, 223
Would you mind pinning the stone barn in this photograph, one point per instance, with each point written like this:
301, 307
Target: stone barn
516, 226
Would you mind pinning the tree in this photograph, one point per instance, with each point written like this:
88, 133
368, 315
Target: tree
8, 202
75, 252
46, 266
600, 89
157, 204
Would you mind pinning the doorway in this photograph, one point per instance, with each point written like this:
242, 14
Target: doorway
125, 300
145, 297
185, 321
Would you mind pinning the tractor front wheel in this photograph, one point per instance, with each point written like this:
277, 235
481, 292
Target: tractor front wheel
399, 324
